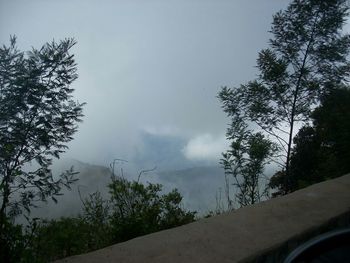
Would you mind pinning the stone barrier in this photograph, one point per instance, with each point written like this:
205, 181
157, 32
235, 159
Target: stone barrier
265, 232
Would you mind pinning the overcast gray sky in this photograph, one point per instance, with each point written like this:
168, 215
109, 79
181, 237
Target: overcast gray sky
148, 67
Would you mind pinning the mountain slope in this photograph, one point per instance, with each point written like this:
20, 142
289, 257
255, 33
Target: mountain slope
199, 186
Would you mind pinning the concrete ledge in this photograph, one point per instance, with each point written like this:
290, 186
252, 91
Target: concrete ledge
265, 232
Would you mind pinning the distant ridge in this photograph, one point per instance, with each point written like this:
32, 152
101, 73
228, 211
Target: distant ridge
199, 186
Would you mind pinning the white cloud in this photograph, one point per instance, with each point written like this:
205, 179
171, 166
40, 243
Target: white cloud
206, 147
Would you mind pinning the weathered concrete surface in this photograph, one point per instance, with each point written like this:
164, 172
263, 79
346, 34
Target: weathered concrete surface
253, 233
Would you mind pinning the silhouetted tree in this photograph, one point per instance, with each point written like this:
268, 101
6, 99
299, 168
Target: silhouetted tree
245, 163
307, 57
321, 151
37, 119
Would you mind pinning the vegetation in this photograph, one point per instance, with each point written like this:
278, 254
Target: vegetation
139, 209
38, 117
302, 80
321, 151
245, 163
133, 210
306, 59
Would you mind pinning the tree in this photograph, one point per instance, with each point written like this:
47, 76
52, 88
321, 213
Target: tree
38, 117
96, 216
245, 163
59, 238
307, 57
321, 151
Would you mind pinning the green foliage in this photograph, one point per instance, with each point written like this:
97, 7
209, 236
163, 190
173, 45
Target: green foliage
18, 247
38, 117
306, 58
321, 151
244, 162
13, 249
45, 241
172, 214
139, 209
60, 238
133, 210
48, 240
96, 216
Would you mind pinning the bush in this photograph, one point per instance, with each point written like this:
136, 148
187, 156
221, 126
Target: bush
60, 238
141, 209
133, 210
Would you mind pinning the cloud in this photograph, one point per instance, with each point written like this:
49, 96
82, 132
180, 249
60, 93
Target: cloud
164, 130
150, 66
205, 147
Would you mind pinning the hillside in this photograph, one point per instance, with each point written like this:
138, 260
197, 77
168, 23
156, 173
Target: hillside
91, 178
199, 186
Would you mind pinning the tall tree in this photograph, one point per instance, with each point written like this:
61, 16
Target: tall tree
38, 117
307, 57
321, 151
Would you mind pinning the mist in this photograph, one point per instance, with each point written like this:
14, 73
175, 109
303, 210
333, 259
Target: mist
150, 72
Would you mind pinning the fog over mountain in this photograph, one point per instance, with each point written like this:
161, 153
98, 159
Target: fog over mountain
148, 67
91, 178
201, 182
149, 72
199, 187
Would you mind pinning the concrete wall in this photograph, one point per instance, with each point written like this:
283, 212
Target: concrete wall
265, 232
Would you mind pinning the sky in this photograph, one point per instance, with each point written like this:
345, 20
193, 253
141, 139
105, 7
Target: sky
149, 71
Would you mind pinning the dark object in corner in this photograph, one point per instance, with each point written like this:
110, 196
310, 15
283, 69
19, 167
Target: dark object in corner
332, 247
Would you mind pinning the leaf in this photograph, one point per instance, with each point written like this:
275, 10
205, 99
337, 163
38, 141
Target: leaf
54, 199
